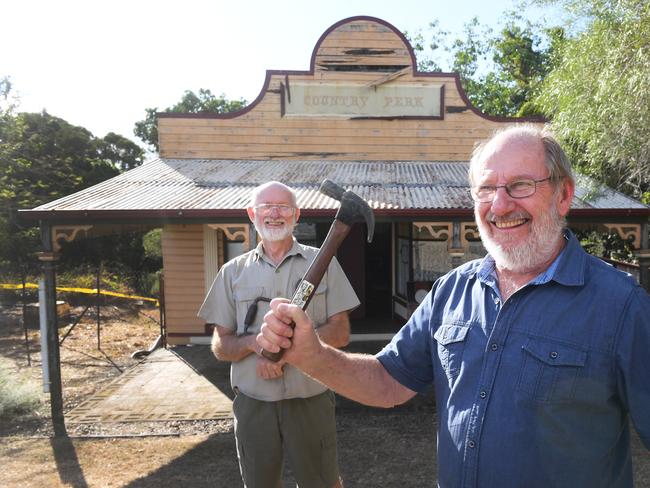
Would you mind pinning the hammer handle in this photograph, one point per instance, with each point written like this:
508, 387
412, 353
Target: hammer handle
314, 274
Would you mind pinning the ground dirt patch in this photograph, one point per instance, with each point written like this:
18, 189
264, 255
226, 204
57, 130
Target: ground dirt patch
377, 448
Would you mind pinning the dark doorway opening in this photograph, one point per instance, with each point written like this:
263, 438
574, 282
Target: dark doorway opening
378, 296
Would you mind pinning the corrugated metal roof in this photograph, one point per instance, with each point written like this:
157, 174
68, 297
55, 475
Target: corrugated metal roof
199, 184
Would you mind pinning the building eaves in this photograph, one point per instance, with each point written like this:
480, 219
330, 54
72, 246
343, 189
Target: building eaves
181, 187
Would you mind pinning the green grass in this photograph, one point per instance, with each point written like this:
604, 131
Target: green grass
19, 394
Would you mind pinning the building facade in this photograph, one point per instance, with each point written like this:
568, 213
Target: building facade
362, 116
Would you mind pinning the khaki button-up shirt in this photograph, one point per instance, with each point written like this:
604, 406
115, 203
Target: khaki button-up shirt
252, 275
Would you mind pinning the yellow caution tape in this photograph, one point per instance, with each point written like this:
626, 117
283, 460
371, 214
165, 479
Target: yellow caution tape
11, 286
89, 291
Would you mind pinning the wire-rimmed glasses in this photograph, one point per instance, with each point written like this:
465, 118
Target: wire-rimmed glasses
516, 189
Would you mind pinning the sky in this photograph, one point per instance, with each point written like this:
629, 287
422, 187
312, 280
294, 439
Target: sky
100, 64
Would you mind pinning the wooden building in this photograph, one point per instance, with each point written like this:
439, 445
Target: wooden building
363, 116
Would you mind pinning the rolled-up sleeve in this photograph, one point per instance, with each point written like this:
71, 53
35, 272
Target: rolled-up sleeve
407, 358
219, 304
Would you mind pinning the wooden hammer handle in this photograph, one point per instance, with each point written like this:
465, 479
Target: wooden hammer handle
314, 274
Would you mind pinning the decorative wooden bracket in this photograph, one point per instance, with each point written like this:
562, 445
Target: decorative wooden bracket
437, 230
469, 233
234, 232
456, 245
66, 232
629, 232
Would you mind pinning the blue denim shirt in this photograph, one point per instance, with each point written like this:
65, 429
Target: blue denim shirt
537, 391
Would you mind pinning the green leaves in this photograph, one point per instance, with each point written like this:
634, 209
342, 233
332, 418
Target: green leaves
598, 94
118, 151
501, 72
42, 158
203, 101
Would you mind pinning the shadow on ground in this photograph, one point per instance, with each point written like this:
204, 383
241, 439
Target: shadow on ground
203, 362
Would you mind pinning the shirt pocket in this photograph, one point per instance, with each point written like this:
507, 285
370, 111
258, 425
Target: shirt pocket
317, 308
245, 297
549, 370
450, 344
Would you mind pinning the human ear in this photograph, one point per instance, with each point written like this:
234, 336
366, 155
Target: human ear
251, 214
565, 196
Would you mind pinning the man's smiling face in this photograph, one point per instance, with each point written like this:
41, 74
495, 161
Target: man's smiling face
519, 233
274, 214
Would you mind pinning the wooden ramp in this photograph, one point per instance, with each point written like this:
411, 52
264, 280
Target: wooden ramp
180, 383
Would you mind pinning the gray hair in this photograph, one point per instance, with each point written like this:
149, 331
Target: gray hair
556, 160
259, 189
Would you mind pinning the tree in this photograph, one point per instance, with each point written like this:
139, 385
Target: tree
501, 73
42, 158
8, 99
204, 101
121, 152
598, 96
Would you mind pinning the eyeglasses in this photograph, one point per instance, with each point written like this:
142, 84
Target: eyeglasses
265, 209
516, 189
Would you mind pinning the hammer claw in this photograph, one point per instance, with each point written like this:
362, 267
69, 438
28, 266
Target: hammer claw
352, 208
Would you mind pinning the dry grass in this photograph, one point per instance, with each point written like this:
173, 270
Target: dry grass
85, 368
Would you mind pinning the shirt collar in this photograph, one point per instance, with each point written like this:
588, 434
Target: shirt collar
567, 268
572, 262
296, 249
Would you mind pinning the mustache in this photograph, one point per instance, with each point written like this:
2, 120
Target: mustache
520, 214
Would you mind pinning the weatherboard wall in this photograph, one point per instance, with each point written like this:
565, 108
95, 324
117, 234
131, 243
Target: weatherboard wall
183, 262
362, 55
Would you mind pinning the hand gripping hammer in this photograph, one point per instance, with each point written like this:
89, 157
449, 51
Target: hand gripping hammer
352, 209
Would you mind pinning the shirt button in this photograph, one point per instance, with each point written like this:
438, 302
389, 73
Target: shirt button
471, 444
496, 300
494, 346
553, 354
483, 394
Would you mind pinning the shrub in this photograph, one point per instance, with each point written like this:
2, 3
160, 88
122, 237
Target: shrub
606, 245
19, 394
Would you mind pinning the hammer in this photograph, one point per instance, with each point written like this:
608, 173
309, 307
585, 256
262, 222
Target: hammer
352, 209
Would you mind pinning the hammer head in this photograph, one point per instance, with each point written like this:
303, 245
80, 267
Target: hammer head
353, 208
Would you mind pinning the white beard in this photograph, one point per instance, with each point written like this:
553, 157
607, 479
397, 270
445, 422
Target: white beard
274, 235
536, 250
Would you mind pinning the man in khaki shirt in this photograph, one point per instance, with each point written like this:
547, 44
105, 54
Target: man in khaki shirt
276, 406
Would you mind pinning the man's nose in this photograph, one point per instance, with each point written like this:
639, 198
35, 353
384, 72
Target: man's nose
502, 203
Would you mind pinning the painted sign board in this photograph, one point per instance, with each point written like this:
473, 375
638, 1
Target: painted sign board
323, 100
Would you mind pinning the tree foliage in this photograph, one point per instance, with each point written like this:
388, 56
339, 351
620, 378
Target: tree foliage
42, 158
8, 99
191, 102
129, 255
609, 245
501, 72
598, 95
121, 152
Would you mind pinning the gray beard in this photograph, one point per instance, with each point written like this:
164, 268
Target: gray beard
535, 251
274, 235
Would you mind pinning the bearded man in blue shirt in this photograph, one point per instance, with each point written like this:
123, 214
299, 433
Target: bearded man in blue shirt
539, 353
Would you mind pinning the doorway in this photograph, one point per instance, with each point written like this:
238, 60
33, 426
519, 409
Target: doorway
378, 296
